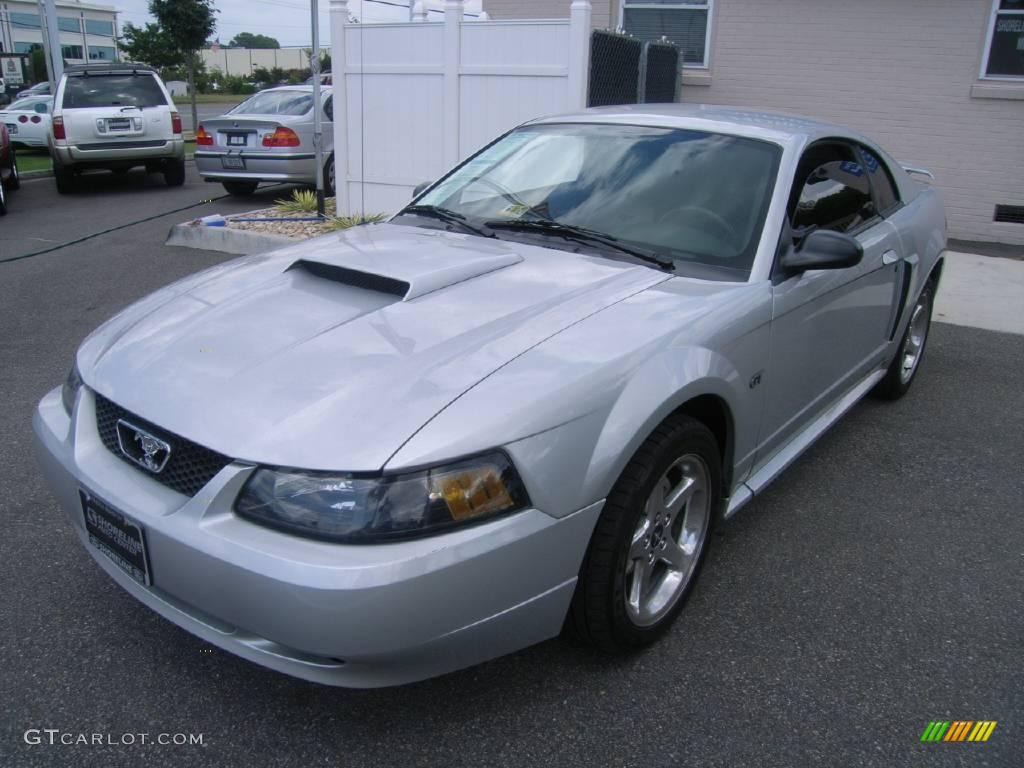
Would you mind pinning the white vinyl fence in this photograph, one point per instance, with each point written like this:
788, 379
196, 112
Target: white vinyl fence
242, 61
418, 97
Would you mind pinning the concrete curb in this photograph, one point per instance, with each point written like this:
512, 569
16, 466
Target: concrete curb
225, 239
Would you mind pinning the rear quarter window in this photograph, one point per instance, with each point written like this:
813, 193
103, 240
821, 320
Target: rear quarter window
112, 91
887, 198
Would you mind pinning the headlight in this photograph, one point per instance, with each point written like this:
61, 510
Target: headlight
69, 391
352, 509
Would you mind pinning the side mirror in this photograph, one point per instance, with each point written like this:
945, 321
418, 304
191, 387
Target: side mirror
419, 188
823, 249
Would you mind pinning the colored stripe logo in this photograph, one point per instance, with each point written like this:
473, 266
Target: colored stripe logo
958, 730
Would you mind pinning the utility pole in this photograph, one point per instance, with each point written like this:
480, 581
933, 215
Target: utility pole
318, 128
51, 44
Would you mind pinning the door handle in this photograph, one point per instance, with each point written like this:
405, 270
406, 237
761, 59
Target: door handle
890, 257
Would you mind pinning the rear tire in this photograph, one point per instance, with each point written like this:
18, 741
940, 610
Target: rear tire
3, 200
329, 177
65, 180
240, 188
629, 593
174, 173
907, 360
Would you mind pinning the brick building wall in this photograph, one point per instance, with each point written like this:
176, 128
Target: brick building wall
905, 72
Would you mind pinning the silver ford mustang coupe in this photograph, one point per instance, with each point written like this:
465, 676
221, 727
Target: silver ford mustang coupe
517, 408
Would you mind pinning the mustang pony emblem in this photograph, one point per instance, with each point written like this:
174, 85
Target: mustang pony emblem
142, 447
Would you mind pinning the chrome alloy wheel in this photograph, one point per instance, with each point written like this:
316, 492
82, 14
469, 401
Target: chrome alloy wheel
668, 540
913, 343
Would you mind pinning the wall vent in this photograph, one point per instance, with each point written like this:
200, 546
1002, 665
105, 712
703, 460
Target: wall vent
1011, 214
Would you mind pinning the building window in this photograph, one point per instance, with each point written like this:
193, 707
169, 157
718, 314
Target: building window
96, 27
1004, 56
26, 47
684, 22
24, 20
101, 53
69, 24
71, 51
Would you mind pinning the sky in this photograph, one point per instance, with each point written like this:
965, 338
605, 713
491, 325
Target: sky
286, 20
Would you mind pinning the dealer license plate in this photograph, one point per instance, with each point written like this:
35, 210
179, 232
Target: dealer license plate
233, 161
120, 539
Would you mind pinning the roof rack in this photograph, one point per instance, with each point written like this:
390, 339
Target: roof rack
107, 68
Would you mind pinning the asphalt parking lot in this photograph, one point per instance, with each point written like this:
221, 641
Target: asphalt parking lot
875, 587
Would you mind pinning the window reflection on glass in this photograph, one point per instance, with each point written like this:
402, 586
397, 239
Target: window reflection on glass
1006, 51
683, 23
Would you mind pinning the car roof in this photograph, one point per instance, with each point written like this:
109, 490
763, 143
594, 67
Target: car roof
107, 68
774, 126
307, 87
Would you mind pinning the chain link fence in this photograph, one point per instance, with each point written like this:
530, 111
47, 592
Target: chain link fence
624, 70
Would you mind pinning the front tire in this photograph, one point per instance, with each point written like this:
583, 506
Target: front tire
240, 188
14, 180
649, 543
903, 368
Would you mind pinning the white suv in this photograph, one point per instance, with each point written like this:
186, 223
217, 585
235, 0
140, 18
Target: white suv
115, 116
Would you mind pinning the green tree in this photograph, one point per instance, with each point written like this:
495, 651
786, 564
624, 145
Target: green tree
250, 40
149, 45
37, 63
185, 25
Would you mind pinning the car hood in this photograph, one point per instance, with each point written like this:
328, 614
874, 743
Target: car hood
332, 353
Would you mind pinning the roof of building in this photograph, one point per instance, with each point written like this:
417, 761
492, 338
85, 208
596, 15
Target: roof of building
69, 4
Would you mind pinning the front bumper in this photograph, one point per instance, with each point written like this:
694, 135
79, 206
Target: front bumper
295, 167
358, 616
99, 154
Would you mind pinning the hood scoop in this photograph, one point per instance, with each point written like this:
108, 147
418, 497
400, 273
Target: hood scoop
399, 268
365, 280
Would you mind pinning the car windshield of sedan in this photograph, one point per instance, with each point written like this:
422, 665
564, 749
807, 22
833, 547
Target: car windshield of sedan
276, 103
690, 196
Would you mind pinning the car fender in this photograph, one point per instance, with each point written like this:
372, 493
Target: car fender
661, 386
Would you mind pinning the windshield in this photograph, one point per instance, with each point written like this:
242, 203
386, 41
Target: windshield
687, 195
276, 103
91, 90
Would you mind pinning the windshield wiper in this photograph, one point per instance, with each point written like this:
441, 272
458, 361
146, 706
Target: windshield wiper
580, 234
445, 215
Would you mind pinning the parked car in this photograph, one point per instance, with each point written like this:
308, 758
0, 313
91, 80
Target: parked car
28, 120
9, 180
268, 137
39, 89
519, 406
115, 116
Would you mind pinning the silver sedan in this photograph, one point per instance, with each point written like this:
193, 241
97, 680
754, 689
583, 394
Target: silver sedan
268, 137
519, 407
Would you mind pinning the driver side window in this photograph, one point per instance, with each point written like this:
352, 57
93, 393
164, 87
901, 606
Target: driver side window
831, 191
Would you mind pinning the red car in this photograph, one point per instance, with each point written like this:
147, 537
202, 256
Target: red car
8, 168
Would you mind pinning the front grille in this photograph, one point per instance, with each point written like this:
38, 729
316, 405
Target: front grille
189, 467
